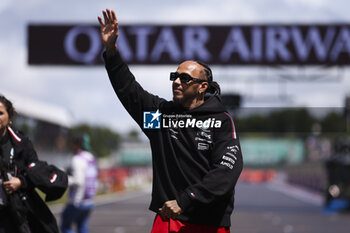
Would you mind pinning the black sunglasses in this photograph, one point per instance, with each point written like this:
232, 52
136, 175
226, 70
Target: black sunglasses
184, 78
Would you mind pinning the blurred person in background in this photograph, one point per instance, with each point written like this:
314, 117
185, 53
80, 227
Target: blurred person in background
83, 178
21, 209
195, 169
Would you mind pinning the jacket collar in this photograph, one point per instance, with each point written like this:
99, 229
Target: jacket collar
15, 139
14, 136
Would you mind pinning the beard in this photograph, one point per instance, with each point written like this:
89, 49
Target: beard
186, 97
177, 100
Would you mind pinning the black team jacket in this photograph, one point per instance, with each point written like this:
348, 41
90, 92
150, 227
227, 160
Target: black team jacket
28, 211
198, 164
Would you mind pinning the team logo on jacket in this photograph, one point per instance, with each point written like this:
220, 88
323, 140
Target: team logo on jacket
151, 120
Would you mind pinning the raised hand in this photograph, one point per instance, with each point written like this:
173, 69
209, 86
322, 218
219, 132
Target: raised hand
109, 29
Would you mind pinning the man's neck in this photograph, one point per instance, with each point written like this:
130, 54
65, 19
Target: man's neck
193, 104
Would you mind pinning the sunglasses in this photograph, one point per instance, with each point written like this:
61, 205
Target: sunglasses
184, 78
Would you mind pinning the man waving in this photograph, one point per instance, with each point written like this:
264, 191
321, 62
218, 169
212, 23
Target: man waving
195, 148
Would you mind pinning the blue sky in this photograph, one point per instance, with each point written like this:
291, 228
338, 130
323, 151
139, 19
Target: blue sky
86, 92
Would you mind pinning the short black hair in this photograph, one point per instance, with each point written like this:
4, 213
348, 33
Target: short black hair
83, 141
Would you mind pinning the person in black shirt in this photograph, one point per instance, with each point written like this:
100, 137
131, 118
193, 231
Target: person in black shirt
196, 154
21, 208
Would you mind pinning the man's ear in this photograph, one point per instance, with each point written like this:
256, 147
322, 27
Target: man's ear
203, 87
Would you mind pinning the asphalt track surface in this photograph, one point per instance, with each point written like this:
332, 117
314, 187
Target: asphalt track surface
260, 208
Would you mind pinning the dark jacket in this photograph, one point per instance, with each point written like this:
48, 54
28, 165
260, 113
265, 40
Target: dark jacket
25, 204
197, 166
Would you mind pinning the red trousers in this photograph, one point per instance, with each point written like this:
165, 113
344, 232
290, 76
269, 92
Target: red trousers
162, 225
